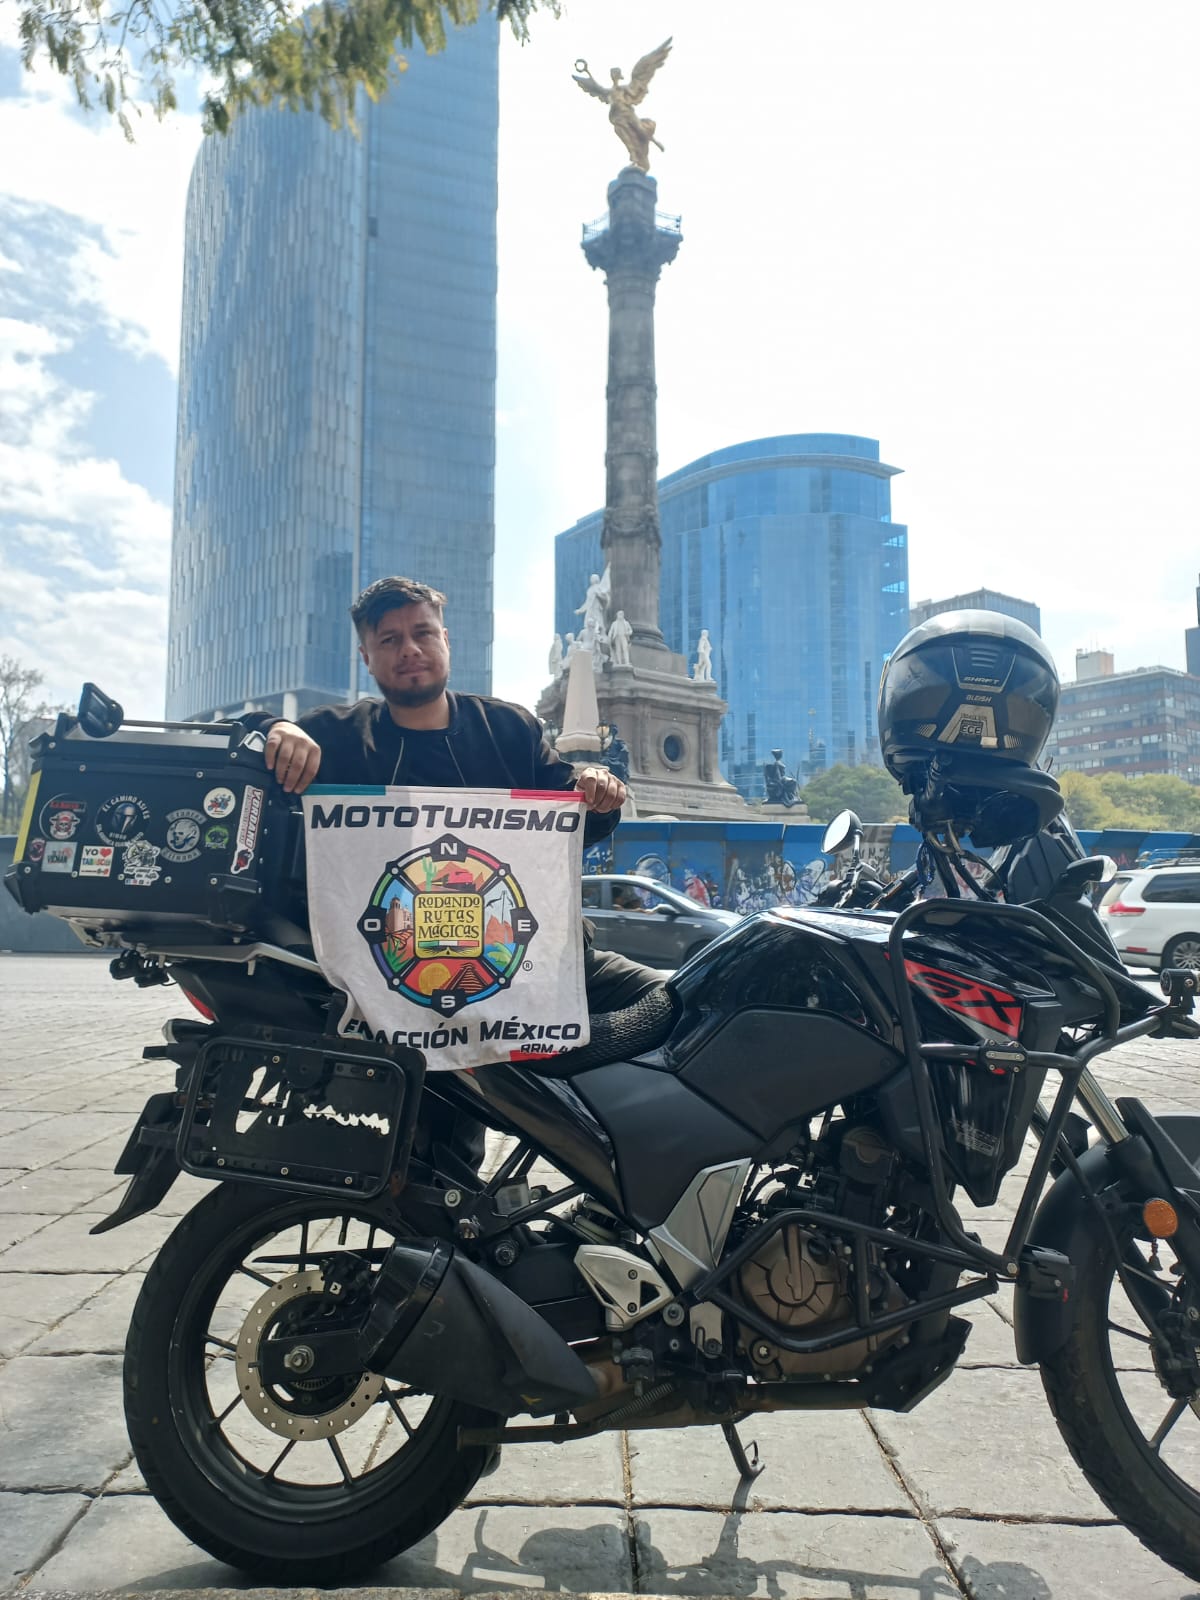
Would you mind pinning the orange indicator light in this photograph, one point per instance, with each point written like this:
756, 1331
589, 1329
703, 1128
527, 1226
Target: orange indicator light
1160, 1218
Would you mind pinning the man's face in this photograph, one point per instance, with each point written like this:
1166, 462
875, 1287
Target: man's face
408, 655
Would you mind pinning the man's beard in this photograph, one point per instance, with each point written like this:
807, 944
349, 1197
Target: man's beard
416, 697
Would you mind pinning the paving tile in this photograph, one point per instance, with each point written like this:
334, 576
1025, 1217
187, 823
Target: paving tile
60, 1189
126, 1542
991, 1343
985, 1442
815, 1461
31, 1525
1028, 1561
58, 1138
67, 1246
99, 1327
787, 1556
18, 1225
561, 1548
30, 1303
63, 1423
14, 1121
561, 1474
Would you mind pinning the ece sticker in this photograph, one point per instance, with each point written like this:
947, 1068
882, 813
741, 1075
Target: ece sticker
247, 831
95, 861
219, 802
141, 867
60, 816
183, 836
122, 818
58, 857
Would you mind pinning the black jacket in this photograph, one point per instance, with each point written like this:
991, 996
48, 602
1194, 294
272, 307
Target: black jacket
488, 744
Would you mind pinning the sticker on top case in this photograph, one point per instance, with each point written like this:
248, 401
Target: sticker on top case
59, 856
183, 835
95, 860
122, 818
219, 802
61, 816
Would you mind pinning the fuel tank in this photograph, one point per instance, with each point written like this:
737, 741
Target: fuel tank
785, 1015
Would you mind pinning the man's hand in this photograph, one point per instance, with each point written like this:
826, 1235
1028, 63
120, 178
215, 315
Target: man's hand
292, 756
601, 790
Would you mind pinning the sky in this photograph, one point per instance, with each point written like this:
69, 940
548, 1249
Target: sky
968, 232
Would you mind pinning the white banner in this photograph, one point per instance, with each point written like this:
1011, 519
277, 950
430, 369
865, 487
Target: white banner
451, 918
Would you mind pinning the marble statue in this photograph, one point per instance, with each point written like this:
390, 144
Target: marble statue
571, 646
619, 635
635, 133
702, 671
595, 603
782, 789
556, 657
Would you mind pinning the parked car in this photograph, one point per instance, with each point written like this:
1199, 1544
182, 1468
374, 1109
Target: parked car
1153, 915
648, 921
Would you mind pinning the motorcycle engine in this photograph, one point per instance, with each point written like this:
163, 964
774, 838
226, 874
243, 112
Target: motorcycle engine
801, 1283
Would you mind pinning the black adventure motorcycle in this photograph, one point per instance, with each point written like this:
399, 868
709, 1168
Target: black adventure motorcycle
761, 1172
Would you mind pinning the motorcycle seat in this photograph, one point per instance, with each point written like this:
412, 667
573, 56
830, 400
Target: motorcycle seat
616, 1036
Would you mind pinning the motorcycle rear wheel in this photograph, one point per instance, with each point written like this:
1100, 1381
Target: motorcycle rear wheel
1137, 1446
256, 1491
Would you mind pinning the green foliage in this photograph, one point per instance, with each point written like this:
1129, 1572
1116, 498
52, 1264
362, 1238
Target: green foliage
20, 706
1110, 800
869, 791
250, 52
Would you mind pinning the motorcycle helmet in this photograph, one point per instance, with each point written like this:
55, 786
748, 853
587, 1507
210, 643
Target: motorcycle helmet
966, 703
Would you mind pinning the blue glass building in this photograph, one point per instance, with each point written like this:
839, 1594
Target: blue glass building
785, 550
337, 386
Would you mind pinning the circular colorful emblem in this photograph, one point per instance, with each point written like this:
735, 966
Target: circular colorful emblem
447, 924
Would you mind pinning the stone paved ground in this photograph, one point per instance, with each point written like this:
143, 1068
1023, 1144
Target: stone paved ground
972, 1495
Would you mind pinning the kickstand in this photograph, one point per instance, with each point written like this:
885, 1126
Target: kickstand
749, 1466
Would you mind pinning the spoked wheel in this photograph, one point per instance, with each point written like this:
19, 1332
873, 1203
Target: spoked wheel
1128, 1409
310, 1480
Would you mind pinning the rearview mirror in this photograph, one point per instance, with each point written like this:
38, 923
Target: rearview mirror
1076, 878
845, 829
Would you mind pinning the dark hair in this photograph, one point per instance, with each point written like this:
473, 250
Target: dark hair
390, 594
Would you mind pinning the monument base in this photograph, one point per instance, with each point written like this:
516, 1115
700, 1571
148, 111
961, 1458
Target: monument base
770, 813
670, 724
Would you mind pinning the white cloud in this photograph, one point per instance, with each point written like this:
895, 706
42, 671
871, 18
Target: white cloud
124, 266
83, 579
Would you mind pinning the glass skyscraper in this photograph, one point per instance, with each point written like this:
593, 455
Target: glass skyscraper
336, 386
785, 550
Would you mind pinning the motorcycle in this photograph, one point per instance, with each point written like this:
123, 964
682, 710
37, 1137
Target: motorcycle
762, 1168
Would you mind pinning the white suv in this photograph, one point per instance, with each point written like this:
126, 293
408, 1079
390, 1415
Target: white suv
1153, 915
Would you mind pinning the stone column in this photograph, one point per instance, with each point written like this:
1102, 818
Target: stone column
631, 248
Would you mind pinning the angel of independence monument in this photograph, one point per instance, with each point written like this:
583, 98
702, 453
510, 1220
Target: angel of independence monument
619, 673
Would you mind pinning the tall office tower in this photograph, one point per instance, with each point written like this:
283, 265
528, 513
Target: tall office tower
336, 386
979, 600
1192, 642
784, 549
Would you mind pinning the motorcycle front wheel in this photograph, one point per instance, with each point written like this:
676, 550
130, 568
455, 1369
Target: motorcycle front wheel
1137, 1441
312, 1482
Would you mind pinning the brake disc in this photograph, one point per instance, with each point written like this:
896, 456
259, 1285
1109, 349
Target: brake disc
263, 1402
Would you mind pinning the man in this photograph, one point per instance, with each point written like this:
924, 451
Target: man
423, 734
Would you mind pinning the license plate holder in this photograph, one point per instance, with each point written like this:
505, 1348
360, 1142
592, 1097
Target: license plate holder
301, 1111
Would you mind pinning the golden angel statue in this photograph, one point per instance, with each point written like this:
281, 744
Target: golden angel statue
635, 133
